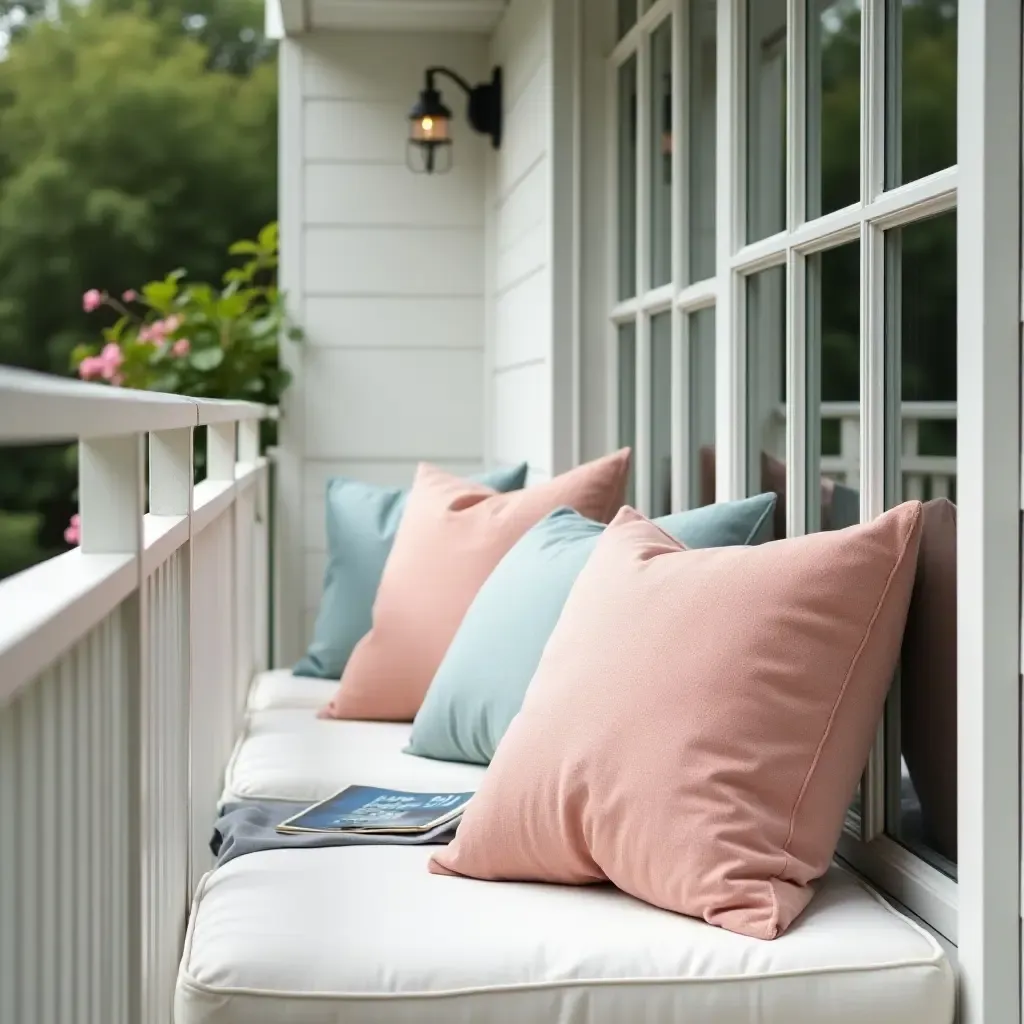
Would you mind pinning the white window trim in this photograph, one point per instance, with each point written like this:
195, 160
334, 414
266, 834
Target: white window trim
677, 297
982, 911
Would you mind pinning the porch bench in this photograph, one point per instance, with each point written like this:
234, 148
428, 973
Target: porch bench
367, 934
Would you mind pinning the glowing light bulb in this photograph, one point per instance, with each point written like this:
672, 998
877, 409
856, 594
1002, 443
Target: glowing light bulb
428, 125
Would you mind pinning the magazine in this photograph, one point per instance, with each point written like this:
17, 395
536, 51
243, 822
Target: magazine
368, 810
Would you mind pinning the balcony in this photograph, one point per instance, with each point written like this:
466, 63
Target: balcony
124, 669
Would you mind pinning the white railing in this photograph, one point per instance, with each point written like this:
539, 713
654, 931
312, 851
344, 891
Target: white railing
924, 476
123, 671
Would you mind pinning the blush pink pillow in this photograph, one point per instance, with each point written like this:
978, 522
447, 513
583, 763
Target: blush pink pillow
453, 533
697, 725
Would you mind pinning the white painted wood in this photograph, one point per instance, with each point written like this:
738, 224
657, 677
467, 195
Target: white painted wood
170, 472
988, 486
393, 261
47, 609
394, 404
400, 322
525, 136
529, 255
523, 319
385, 66
520, 287
386, 270
110, 482
476, 16
289, 630
357, 131
248, 444
36, 407
221, 451
389, 195
522, 416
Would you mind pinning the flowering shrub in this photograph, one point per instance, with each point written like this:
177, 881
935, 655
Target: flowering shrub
191, 338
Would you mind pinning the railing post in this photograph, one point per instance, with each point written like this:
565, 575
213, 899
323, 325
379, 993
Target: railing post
110, 496
220, 451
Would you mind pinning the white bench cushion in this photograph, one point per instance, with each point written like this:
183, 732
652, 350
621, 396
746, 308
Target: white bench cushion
278, 688
367, 934
290, 754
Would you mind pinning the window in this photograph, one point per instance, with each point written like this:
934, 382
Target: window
663, 324
832, 290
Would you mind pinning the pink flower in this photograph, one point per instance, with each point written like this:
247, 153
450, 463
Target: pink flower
130, 296
92, 300
73, 531
172, 323
90, 368
105, 366
181, 347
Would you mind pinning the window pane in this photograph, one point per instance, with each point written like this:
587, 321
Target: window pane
702, 64
661, 414
661, 155
766, 118
833, 105
702, 407
920, 88
766, 388
627, 400
626, 13
833, 388
921, 463
627, 179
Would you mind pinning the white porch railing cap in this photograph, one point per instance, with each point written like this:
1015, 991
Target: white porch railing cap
39, 407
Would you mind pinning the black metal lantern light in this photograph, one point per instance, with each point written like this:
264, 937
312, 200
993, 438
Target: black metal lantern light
429, 149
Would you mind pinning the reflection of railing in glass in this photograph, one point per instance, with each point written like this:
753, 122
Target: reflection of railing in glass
925, 475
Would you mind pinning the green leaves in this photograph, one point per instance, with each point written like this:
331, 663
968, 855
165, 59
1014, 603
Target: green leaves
195, 339
206, 359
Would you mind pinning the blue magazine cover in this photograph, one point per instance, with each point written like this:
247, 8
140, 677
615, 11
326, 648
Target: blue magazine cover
368, 809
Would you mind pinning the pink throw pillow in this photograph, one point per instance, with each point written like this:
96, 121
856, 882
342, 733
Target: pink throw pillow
453, 533
699, 720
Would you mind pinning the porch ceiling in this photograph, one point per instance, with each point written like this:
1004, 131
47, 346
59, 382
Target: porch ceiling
297, 17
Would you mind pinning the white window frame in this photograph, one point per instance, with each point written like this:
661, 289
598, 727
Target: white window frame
677, 297
981, 911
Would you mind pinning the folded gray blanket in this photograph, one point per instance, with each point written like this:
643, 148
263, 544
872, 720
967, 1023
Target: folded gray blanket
251, 826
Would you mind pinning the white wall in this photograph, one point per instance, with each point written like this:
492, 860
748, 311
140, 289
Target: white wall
385, 271
520, 306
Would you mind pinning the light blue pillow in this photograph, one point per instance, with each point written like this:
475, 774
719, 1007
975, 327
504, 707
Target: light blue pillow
362, 520
480, 684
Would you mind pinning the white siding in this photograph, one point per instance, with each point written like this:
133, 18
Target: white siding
519, 228
385, 270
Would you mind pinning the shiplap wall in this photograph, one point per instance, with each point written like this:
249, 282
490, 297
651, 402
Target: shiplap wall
519, 227
386, 272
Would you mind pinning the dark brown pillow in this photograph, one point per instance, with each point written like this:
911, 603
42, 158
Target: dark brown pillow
928, 678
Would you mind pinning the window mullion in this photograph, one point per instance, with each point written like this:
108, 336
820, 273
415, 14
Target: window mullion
796, 105
612, 143
872, 99
730, 357
873, 419
642, 452
681, 422
796, 394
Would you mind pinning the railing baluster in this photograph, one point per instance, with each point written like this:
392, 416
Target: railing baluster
98, 812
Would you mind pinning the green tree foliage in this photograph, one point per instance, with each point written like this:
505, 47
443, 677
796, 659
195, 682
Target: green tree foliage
134, 138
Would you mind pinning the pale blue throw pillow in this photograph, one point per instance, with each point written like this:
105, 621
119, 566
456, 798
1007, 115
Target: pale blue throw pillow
480, 684
362, 520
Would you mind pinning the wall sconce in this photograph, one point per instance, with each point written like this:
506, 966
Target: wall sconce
429, 147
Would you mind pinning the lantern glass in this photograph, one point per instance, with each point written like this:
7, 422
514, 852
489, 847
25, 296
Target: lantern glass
429, 128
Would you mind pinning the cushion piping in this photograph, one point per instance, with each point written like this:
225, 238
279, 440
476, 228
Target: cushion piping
936, 960
771, 928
